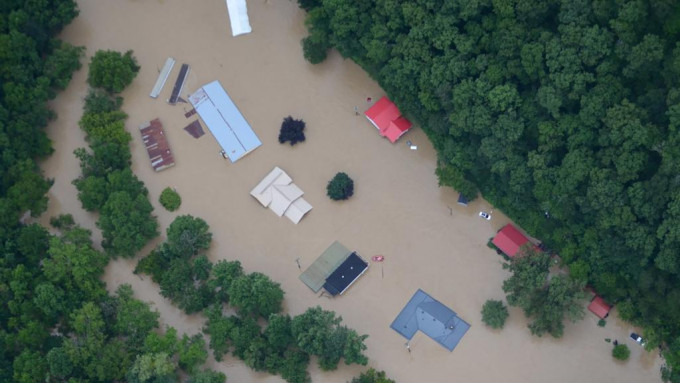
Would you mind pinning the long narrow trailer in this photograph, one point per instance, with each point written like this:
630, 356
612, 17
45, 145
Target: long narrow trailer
179, 84
162, 77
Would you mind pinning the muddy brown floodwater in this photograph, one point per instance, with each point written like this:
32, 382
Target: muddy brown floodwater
397, 210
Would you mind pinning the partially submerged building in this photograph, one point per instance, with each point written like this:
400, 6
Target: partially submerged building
387, 118
238, 17
336, 269
156, 145
599, 307
278, 192
424, 313
224, 120
509, 240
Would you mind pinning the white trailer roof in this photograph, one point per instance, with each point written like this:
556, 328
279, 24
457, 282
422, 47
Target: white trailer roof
238, 17
224, 120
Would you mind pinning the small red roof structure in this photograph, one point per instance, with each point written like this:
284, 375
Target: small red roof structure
509, 240
385, 116
156, 145
599, 307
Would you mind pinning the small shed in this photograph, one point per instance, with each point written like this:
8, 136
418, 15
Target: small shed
599, 307
509, 240
462, 200
387, 118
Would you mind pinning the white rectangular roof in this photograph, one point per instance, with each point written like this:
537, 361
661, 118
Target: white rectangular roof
238, 17
224, 120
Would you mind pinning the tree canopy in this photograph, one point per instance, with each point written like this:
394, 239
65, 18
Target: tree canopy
546, 299
112, 70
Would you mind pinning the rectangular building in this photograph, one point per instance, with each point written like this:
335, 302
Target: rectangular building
224, 120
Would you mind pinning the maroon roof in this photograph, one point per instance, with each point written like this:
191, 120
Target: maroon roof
509, 240
599, 307
156, 145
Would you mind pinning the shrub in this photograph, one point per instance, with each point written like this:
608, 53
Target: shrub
494, 314
292, 130
170, 199
340, 187
112, 70
621, 352
602, 323
62, 222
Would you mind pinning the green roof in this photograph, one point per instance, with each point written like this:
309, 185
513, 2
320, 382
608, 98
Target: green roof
315, 275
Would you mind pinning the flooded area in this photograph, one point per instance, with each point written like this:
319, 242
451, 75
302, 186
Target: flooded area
398, 211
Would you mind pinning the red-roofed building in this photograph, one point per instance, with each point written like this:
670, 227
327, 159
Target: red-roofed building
386, 117
509, 240
599, 307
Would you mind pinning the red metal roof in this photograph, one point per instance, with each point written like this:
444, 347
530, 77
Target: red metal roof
599, 307
387, 118
509, 240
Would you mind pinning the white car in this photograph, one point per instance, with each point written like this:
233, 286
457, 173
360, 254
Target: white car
485, 215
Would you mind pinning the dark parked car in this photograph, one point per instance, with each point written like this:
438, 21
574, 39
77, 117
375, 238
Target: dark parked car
637, 338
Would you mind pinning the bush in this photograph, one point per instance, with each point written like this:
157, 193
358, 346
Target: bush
62, 222
621, 352
292, 130
494, 314
112, 70
602, 323
170, 199
340, 187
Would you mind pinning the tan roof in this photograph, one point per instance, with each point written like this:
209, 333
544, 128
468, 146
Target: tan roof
278, 192
315, 275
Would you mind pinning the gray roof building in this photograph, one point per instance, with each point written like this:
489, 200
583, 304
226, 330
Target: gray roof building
428, 315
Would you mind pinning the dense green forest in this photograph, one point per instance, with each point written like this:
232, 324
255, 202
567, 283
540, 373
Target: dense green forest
57, 321
33, 66
563, 113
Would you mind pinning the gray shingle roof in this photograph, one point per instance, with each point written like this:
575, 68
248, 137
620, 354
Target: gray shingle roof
428, 315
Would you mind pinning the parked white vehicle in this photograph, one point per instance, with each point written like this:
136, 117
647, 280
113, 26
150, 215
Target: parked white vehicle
485, 215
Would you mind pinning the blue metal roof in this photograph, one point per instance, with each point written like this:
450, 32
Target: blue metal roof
428, 315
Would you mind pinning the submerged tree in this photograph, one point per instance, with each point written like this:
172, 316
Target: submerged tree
255, 294
341, 187
621, 352
547, 301
112, 70
372, 376
494, 314
170, 199
292, 130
